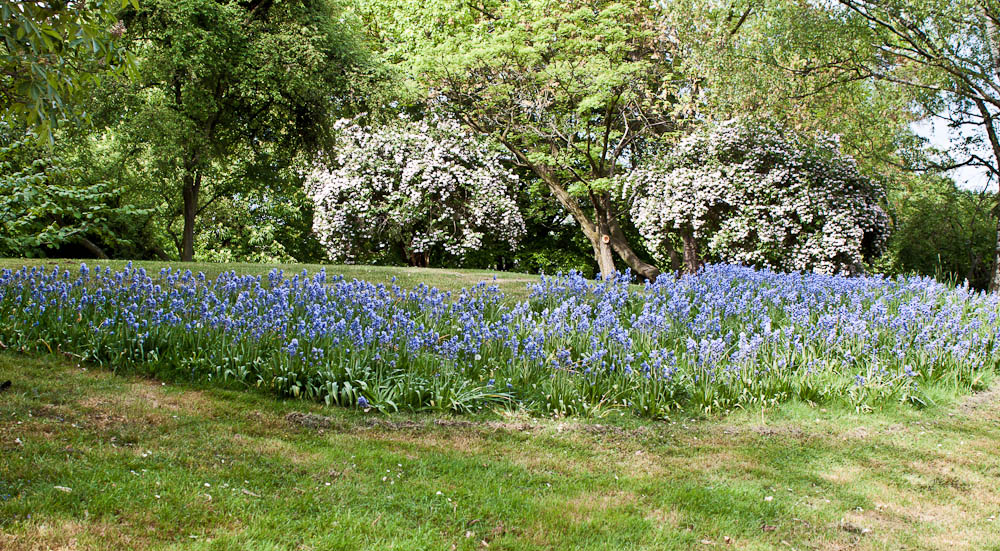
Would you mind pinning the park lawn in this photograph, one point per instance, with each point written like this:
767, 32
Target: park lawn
91, 460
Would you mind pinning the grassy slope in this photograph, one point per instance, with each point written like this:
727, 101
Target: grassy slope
916, 479
154, 466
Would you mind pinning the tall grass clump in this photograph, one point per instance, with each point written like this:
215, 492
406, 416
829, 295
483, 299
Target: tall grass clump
724, 338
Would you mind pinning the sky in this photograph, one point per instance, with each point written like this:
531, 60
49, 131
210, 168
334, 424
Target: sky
938, 135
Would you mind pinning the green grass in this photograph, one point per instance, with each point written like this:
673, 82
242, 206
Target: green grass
512, 284
154, 466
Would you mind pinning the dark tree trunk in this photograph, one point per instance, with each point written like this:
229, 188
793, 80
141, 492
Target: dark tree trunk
676, 260
692, 261
415, 259
995, 275
993, 38
192, 183
93, 248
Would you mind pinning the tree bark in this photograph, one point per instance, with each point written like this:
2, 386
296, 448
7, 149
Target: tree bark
993, 37
605, 225
621, 246
995, 275
676, 260
601, 241
692, 261
192, 185
93, 248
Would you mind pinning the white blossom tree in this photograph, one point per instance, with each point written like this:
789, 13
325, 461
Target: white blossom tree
412, 187
758, 195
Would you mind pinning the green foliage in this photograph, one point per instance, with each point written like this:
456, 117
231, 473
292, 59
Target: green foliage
228, 99
942, 231
782, 61
575, 90
54, 51
47, 199
269, 225
553, 243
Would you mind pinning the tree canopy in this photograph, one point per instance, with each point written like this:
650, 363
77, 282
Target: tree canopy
224, 85
213, 131
574, 90
53, 53
760, 196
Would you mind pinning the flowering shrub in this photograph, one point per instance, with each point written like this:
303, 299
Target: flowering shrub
760, 196
729, 336
417, 186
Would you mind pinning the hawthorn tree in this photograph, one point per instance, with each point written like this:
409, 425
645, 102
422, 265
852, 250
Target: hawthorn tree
778, 60
759, 196
413, 187
903, 59
576, 90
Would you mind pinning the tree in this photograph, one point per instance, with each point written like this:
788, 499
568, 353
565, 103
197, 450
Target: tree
575, 90
48, 200
53, 51
224, 84
947, 52
416, 187
942, 231
778, 61
759, 196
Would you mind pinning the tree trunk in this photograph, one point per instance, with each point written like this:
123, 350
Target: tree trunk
995, 275
676, 260
620, 244
605, 214
993, 37
192, 183
93, 248
692, 262
601, 240
416, 259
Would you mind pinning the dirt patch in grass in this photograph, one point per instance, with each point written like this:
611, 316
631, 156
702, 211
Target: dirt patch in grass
153, 395
669, 517
767, 431
315, 421
584, 507
843, 474
280, 448
144, 402
943, 518
72, 535
987, 401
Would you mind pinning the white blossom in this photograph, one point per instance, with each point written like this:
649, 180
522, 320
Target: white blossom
421, 185
760, 196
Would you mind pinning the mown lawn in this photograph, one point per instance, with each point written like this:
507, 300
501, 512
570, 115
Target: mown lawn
89, 460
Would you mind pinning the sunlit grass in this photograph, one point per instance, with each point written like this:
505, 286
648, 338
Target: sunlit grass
152, 466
